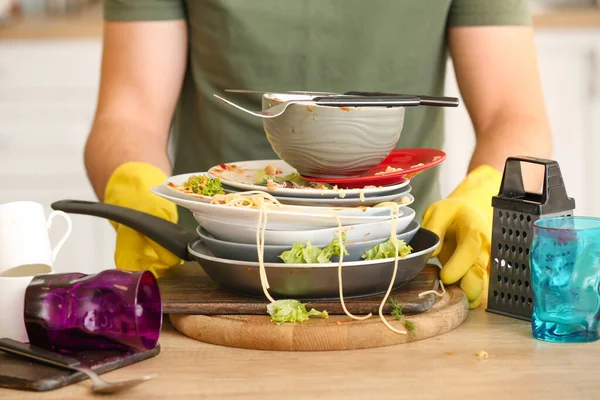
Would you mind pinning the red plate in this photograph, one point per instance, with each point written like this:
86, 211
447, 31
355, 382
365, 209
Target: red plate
407, 162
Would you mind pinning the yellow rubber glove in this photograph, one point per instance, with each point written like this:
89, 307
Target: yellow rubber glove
463, 222
129, 186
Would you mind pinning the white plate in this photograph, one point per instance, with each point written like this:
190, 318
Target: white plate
207, 208
227, 231
241, 175
323, 201
349, 202
300, 201
281, 221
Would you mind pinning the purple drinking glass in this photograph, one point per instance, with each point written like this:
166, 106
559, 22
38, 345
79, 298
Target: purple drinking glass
113, 309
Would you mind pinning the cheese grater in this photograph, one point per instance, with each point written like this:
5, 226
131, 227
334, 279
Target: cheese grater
515, 211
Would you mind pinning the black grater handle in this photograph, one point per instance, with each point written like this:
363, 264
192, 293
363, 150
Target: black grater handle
554, 188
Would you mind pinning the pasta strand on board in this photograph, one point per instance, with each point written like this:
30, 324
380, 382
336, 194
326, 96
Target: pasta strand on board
341, 286
434, 291
260, 244
394, 212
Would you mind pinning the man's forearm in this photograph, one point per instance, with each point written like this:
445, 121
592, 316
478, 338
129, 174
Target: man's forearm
522, 135
113, 143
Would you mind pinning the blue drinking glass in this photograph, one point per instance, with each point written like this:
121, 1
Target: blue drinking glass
565, 278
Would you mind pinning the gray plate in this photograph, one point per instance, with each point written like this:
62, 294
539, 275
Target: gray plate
316, 281
248, 252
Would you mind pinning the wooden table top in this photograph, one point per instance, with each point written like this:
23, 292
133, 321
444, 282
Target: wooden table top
518, 367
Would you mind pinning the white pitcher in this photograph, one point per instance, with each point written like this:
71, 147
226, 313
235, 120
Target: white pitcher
25, 248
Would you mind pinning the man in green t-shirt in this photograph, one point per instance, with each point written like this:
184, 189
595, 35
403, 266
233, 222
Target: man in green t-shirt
164, 59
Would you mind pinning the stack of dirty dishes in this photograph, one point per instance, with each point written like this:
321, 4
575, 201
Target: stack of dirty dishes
263, 215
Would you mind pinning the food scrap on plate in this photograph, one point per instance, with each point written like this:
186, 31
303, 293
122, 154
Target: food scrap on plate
199, 184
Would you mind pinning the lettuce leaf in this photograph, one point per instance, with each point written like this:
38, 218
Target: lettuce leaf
300, 254
293, 255
212, 187
309, 254
293, 177
333, 249
386, 250
201, 184
261, 178
292, 311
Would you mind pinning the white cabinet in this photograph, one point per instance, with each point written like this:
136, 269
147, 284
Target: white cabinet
569, 77
570, 72
47, 99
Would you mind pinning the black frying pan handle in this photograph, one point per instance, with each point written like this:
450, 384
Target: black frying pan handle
424, 100
172, 237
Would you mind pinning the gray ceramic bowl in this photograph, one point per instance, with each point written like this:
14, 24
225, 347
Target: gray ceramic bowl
323, 141
247, 252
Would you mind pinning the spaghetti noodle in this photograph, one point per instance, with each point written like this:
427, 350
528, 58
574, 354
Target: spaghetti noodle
394, 213
253, 199
434, 291
260, 244
340, 262
250, 199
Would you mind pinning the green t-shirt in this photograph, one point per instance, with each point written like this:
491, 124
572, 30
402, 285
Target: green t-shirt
395, 46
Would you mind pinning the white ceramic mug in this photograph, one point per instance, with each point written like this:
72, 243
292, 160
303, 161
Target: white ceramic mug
12, 305
25, 248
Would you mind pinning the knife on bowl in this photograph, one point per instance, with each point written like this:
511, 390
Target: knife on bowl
436, 101
305, 92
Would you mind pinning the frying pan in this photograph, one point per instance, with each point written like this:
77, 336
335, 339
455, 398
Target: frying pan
298, 281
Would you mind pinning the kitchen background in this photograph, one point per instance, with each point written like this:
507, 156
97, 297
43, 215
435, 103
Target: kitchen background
49, 70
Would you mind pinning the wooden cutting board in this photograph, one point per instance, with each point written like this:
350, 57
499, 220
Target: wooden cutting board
338, 332
188, 290
199, 309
